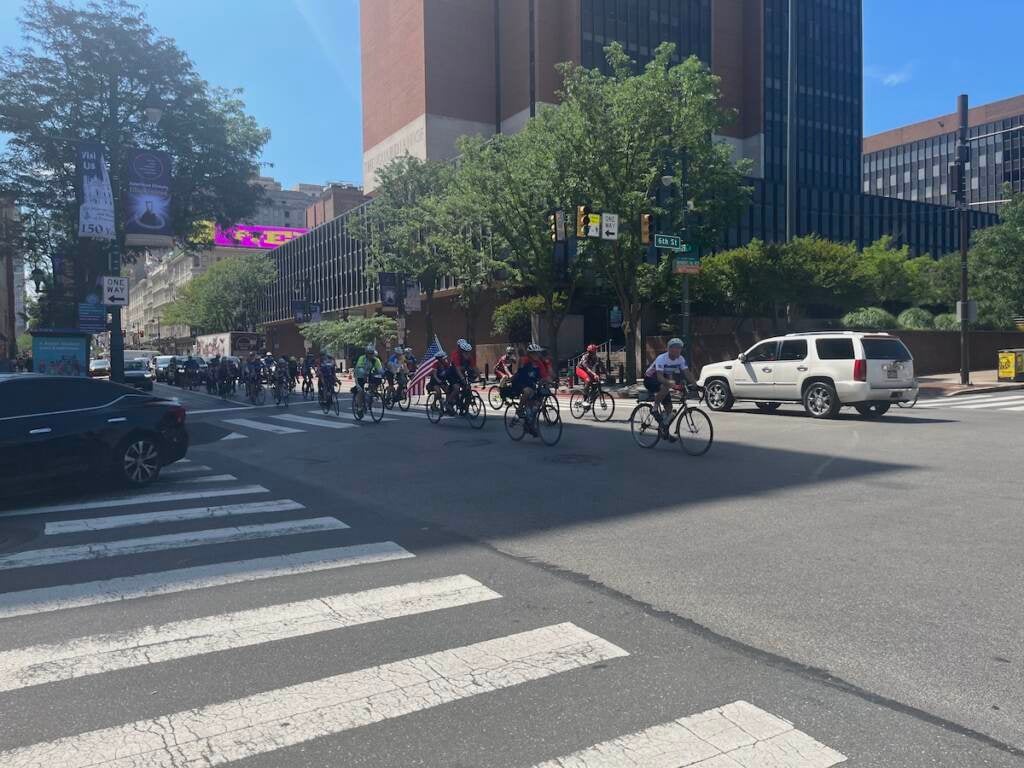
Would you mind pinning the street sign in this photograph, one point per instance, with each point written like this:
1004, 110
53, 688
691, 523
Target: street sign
609, 226
560, 226
686, 265
92, 318
668, 242
972, 310
115, 291
594, 225
615, 317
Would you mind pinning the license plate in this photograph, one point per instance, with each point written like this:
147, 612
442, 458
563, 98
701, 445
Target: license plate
892, 373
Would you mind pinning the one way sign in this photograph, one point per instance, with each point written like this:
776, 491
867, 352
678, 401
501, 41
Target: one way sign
115, 291
609, 226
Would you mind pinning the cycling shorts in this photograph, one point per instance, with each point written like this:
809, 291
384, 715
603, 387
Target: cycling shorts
582, 375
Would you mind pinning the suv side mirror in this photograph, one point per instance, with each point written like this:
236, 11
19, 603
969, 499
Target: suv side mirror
742, 357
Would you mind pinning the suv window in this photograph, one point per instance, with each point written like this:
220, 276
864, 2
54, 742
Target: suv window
795, 349
885, 349
763, 353
834, 349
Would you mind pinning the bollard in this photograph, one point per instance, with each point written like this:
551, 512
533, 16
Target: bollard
622, 374
487, 372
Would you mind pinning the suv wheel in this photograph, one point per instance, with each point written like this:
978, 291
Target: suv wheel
821, 400
873, 410
718, 395
138, 460
768, 407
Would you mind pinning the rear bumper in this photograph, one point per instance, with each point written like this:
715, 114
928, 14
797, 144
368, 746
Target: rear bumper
174, 445
853, 392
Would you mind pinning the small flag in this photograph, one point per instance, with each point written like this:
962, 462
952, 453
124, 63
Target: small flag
418, 384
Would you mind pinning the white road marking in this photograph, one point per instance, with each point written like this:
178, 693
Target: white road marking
170, 516
48, 663
945, 402
1019, 408
314, 422
234, 436
205, 479
738, 735
277, 429
32, 558
141, 499
269, 721
1003, 401
174, 470
63, 597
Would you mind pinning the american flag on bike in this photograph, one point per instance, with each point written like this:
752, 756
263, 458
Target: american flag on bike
418, 384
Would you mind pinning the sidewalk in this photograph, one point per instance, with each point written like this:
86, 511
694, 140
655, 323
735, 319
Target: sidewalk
948, 384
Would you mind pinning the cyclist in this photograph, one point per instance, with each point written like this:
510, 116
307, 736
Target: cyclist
253, 374
664, 375
326, 377
222, 375
293, 372
441, 377
309, 364
410, 360
464, 363
589, 368
368, 370
528, 378
191, 372
398, 371
505, 365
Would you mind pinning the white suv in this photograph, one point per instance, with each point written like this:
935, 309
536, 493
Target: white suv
823, 370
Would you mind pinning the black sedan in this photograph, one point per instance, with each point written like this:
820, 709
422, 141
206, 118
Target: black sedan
54, 426
137, 374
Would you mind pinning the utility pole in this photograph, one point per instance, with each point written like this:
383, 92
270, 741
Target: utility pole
533, 58
791, 132
962, 158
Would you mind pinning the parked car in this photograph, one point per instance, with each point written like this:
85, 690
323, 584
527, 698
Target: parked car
137, 374
164, 370
824, 371
99, 367
52, 426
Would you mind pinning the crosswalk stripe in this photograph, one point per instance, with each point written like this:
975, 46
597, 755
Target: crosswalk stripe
271, 720
65, 596
141, 499
35, 557
81, 657
204, 479
169, 516
313, 422
277, 429
1018, 408
945, 402
174, 469
1004, 401
234, 436
738, 735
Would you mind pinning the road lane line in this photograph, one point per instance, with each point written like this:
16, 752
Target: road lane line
32, 558
277, 429
81, 657
65, 596
234, 436
945, 402
1003, 401
266, 722
1019, 408
205, 479
141, 499
738, 735
173, 470
314, 422
169, 516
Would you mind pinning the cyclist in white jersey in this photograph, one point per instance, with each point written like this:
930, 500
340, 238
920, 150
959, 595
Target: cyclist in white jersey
668, 371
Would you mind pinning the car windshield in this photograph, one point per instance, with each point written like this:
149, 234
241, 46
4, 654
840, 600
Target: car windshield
135, 365
164, 359
885, 349
95, 364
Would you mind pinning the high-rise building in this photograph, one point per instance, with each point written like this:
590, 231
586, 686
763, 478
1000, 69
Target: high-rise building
335, 199
283, 207
912, 162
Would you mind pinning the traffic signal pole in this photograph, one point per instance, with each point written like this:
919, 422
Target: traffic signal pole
963, 155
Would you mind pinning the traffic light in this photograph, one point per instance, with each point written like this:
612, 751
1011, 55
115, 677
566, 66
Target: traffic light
645, 228
582, 220
553, 227
142, 333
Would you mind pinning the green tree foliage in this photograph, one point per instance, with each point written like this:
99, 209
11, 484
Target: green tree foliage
947, 321
934, 282
869, 319
84, 73
997, 266
335, 336
916, 319
225, 297
513, 319
882, 272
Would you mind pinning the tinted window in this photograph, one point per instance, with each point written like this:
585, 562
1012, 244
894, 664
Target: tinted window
885, 349
834, 349
135, 365
763, 353
795, 349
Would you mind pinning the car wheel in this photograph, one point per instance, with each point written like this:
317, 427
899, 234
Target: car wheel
718, 395
138, 460
768, 407
821, 400
872, 410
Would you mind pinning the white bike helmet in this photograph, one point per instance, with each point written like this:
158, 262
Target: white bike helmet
399, 350
371, 349
676, 342
510, 350
465, 346
535, 348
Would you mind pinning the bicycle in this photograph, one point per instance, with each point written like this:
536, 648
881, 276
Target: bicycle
328, 401
224, 388
544, 421
282, 392
594, 399
255, 392
307, 386
693, 428
470, 405
498, 396
397, 393
909, 403
368, 402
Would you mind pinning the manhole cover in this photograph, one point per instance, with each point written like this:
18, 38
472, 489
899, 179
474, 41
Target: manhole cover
467, 443
576, 458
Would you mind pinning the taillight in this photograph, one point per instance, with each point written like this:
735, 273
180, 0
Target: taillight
175, 413
860, 370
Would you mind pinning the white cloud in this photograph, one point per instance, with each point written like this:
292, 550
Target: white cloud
891, 78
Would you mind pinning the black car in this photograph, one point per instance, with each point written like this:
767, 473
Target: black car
52, 426
136, 374
164, 368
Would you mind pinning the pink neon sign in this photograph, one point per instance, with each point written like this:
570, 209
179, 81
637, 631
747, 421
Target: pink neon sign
254, 236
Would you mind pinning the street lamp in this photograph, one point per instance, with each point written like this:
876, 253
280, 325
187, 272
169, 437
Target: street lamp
153, 107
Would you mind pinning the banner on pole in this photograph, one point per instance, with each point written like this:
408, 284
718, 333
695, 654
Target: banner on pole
412, 296
96, 212
147, 202
388, 289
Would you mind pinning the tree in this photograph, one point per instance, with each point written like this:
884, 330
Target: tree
742, 282
226, 296
821, 272
336, 335
400, 230
997, 266
883, 273
513, 319
85, 73
623, 132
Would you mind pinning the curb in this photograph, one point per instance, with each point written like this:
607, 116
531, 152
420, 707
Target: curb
984, 390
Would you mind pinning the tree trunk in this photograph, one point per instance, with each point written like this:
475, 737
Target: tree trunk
632, 325
428, 316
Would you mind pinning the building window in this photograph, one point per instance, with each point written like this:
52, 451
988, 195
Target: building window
943, 188
892, 179
920, 174
935, 170
974, 182
867, 185
878, 183
906, 177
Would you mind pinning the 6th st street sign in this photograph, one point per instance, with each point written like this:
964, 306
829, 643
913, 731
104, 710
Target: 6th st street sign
672, 243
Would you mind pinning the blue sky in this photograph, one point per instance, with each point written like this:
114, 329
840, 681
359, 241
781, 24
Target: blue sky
298, 61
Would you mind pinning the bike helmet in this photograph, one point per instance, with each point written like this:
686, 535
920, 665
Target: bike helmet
465, 346
535, 348
675, 342
591, 348
510, 350
408, 350
371, 349
399, 350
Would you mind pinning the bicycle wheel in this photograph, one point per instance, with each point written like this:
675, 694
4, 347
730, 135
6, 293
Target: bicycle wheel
388, 397
909, 403
603, 407
286, 396
695, 432
643, 424
578, 405
476, 413
406, 402
515, 424
358, 406
549, 424
325, 402
494, 398
376, 407
261, 396
435, 408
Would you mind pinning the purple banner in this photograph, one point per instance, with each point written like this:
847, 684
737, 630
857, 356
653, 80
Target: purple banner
253, 236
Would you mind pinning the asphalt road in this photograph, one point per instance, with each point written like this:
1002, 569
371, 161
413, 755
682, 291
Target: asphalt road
858, 579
